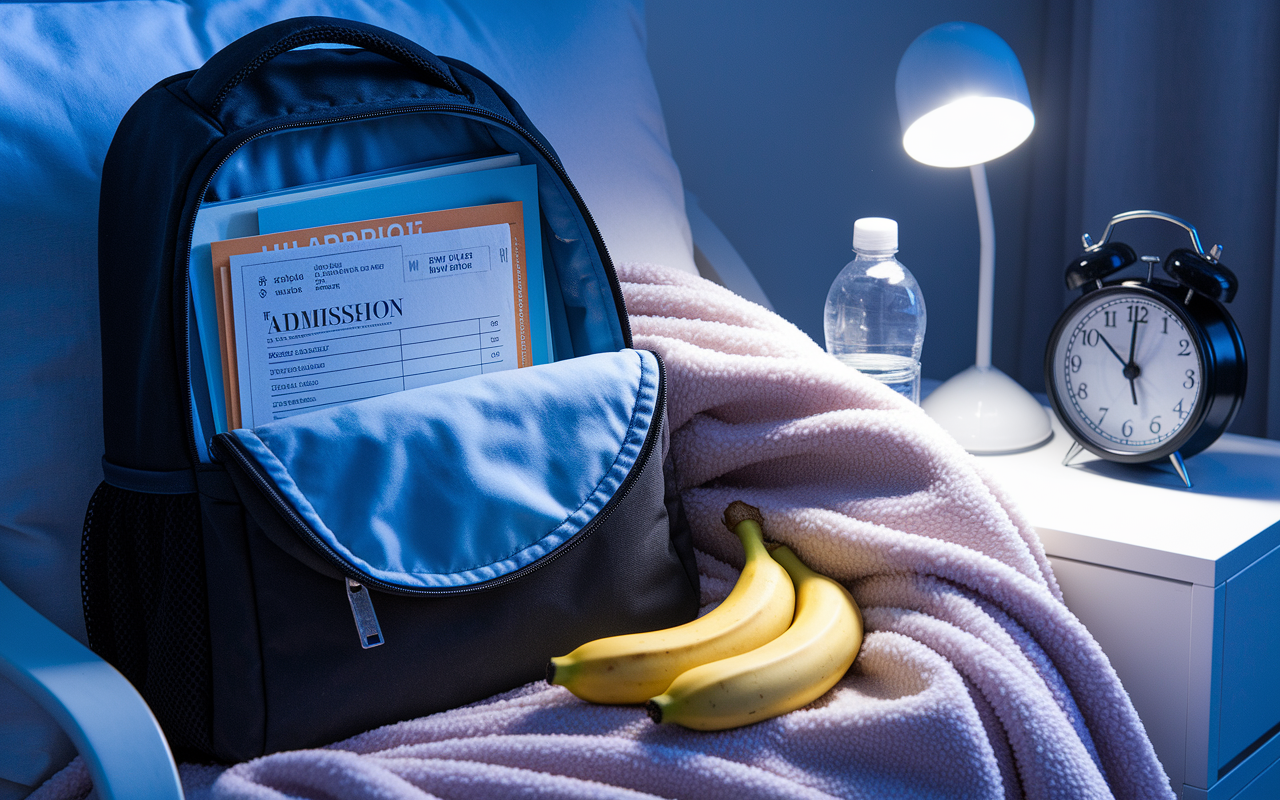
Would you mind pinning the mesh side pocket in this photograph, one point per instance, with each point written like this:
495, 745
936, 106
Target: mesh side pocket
145, 608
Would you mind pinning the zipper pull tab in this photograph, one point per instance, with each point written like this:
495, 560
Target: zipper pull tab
366, 620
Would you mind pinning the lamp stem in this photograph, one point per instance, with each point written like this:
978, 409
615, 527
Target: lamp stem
986, 263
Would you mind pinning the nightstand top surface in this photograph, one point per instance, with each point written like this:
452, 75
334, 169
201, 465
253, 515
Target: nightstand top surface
1142, 518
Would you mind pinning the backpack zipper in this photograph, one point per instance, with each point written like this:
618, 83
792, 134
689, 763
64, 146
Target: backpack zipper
614, 284
362, 609
355, 581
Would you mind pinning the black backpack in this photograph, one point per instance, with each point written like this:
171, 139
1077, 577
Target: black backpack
213, 566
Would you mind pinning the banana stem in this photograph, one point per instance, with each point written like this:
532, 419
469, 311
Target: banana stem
752, 539
739, 511
792, 564
654, 709
747, 523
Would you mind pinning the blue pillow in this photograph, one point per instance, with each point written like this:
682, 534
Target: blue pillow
68, 73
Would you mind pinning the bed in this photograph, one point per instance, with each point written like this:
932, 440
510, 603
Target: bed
975, 680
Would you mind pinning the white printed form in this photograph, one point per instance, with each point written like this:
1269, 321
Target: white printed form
330, 324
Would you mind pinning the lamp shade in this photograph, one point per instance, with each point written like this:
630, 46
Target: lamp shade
962, 97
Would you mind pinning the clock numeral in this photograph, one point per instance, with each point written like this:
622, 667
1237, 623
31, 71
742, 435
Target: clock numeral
1126, 430
1074, 362
1154, 427
1091, 337
1190, 382
1186, 348
1104, 411
1082, 391
1178, 410
1165, 329
1137, 314
1109, 319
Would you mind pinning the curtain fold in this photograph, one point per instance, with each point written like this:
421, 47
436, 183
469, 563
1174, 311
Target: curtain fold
1273, 383
1172, 105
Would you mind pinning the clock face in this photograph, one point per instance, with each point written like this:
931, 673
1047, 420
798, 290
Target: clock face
1127, 372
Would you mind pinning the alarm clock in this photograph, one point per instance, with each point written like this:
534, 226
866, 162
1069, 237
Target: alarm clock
1141, 370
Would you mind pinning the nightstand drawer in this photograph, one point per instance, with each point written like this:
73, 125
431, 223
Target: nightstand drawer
1250, 710
1265, 787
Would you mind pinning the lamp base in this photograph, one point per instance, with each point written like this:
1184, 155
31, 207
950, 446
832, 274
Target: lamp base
988, 412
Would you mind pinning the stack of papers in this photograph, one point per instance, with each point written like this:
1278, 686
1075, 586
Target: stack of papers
368, 286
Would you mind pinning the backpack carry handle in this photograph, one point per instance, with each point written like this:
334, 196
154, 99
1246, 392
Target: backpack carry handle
233, 64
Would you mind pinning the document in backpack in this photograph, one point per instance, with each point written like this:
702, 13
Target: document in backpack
436, 297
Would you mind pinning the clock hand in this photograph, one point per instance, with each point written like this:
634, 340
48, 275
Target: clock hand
1132, 370
1112, 349
1133, 339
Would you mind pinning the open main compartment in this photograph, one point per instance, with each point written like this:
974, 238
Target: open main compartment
583, 310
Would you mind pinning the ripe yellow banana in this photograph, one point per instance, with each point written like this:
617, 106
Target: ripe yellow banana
788, 673
634, 667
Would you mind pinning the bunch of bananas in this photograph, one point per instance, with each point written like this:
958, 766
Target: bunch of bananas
780, 640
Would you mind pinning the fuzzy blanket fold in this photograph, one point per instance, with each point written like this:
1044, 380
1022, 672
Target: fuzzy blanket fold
974, 680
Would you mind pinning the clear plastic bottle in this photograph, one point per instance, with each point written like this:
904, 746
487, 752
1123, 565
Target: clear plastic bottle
875, 315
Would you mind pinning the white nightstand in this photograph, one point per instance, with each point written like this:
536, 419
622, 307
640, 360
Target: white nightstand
1181, 587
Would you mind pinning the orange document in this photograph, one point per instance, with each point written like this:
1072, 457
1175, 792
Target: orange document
386, 228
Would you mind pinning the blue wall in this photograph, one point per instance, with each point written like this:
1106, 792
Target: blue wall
784, 122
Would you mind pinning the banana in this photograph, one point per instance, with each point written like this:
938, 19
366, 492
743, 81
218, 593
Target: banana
788, 673
634, 667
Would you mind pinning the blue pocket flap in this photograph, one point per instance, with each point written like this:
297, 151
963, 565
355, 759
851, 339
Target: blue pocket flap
460, 483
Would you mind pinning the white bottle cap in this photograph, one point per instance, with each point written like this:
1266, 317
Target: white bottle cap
875, 234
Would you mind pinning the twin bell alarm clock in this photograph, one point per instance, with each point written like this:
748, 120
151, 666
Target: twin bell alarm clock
1141, 370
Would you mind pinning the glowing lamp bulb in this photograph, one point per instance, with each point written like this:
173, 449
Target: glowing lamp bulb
971, 130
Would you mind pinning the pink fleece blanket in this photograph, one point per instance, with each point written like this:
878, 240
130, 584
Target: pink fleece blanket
974, 680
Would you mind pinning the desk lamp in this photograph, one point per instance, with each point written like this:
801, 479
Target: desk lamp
963, 101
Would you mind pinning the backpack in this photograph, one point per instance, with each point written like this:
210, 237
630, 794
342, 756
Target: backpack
320, 574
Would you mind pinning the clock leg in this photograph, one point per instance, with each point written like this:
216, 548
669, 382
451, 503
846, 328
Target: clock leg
1180, 468
1076, 447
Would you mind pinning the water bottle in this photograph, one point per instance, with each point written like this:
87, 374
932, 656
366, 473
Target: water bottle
875, 314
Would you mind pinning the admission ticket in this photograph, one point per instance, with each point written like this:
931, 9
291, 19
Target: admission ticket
323, 325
